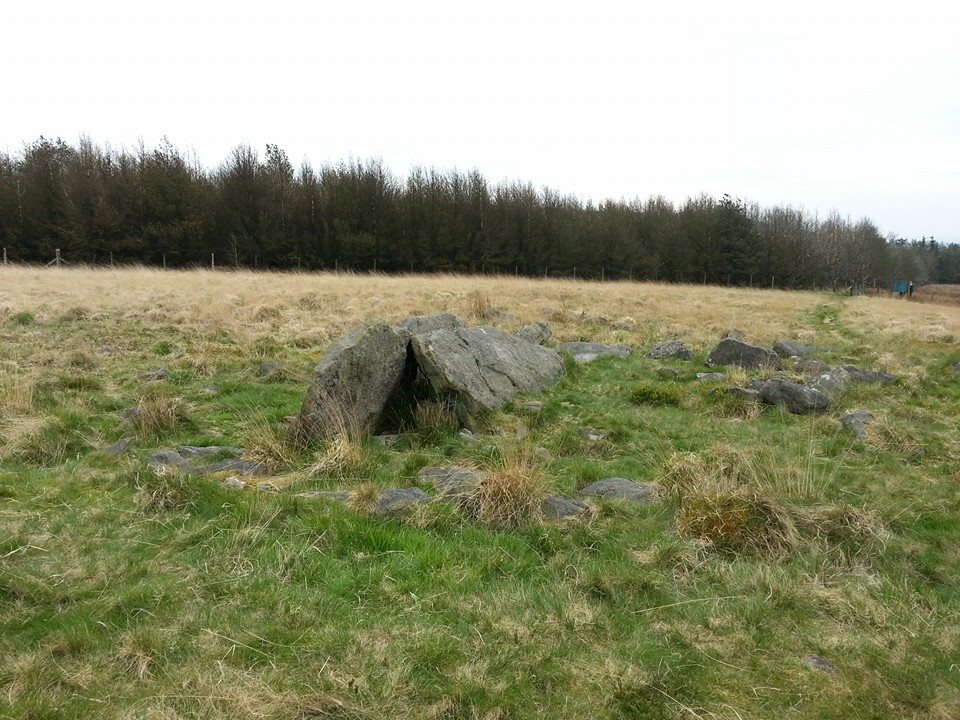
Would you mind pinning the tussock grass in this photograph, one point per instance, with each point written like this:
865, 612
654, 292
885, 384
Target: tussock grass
163, 489
339, 457
664, 395
509, 496
158, 414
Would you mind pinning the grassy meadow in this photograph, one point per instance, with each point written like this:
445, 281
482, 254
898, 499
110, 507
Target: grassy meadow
788, 571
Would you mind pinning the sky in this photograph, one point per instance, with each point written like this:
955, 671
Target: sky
843, 105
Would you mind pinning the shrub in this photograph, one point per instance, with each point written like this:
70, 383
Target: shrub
24, 317
657, 395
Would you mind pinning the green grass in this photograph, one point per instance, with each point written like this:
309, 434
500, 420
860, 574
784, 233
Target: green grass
124, 594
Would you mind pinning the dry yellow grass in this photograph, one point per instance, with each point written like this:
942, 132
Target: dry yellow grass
323, 305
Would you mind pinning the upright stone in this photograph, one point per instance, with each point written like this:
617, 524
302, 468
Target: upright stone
354, 381
423, 324
734, 352
483, 368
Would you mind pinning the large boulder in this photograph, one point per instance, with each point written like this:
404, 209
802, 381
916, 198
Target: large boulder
799, 399
789, 348
354, 382
536, 333
423, 324
734, 352
483, 368
584, 352
831, 382
670, 349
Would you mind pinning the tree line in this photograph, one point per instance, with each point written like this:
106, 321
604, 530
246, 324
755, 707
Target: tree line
159, 206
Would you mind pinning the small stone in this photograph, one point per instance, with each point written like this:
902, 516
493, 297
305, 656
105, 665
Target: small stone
119, 447
789, 348
856, 421
387, 440
592, 434
169, 459
745, 393
734, 334
399, 501
868, 375
191, 452
543, 454
558, 508
536, 333
811, 365
818, 662
265, 369
672, 348
668, 372
711, 377
621, 489
467, 435
567, 405
154, 375
586, 352
734, 352
333, 495
451, 480
831, 382
210, 390
241, 467
534, 407
234, 483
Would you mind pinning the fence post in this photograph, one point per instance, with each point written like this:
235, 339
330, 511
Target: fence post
4, 256
57, 258
212, 266
164, 261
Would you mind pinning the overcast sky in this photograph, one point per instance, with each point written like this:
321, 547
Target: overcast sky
827, 105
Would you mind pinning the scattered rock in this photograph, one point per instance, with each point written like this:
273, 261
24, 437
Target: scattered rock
811, 365
265, 369
169, 459
798, 399
856, 421
535, 407
591, 434
831, 382
734, 334
668, 372
210, 390
120, 446
354, 382
711, 377
154, 375
672, 348
423, 324
234, 483
130, 415
734, 352
467, 435
334, 495
387, 440
868, 375
789, 348
192, 453
399, 501
818, 662
241, 467
558, 508
585, 352
536, 333
483, 368
268, 487
543, 454
956, 367
621, 489
745, 393
451, 481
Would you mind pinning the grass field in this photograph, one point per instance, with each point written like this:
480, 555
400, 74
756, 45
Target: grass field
128, 594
